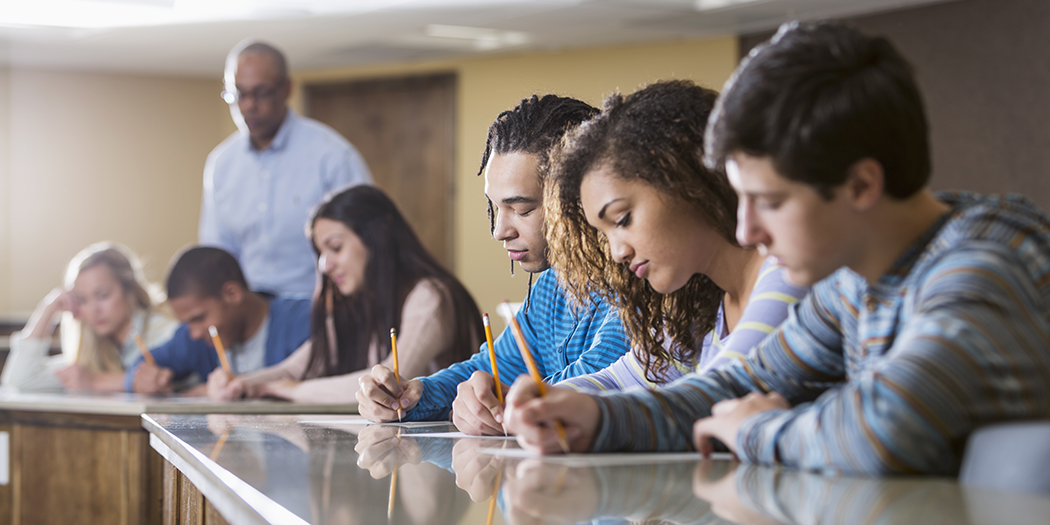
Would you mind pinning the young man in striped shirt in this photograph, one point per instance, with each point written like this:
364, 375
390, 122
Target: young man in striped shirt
566, 340
929, 314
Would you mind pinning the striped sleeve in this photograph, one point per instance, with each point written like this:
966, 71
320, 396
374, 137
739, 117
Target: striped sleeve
625, 373
973, 351
565, 340
767, 307
800, 359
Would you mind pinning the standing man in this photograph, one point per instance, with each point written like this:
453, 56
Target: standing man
261, 182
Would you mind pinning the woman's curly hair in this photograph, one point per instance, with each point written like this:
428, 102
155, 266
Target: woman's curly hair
655, 135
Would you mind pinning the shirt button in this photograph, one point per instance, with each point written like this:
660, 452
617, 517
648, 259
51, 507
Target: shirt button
262, 206
872, 305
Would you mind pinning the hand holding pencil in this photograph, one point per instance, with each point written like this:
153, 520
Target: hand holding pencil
548, 419
534, 371
381, 394
478, 407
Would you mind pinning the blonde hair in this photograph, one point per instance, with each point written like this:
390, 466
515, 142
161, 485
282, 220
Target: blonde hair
102, 354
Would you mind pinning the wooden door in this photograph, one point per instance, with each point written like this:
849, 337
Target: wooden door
405, 129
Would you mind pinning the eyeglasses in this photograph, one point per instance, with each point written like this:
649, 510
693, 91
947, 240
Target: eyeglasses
259, 94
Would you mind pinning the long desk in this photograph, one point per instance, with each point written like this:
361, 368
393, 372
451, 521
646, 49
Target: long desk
87, 459
336, 470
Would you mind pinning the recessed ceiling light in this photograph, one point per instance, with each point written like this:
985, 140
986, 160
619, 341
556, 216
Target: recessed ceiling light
483, 38
711, 5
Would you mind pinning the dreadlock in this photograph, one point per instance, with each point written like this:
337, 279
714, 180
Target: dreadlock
534, 126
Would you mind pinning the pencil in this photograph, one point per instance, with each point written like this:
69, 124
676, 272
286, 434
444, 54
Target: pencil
495, 496
144, 349
221, 350
492, 359
535, 372
492, 356
218, 445
397, 373
393, 491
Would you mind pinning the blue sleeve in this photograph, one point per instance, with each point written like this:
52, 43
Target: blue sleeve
182, 355
439, 389
289, 328
596, 342
565, 341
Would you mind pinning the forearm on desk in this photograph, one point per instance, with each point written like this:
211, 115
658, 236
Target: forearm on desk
28, 367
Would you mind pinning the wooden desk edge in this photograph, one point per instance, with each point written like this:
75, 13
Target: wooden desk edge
237, 501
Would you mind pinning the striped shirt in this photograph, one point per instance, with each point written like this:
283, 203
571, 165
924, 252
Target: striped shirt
767, 307
565, 340
889, 377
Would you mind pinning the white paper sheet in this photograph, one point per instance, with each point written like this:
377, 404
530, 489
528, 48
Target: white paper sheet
453, 435
604, 460
362, 422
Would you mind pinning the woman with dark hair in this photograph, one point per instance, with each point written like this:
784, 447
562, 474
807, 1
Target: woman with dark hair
639, 219
375, 275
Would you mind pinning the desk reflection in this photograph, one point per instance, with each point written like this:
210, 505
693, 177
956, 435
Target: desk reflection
343, 473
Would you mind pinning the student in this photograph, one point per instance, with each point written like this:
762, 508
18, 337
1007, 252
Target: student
667, 219
566, 340
105, 302
376, 276
207, 288
928, 317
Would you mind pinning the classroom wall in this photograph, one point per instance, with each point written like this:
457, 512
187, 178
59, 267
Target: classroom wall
86, 157
488, 86
94, 156
5, 190
984, 72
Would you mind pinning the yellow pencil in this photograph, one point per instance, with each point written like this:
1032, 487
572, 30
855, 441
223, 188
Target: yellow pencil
495, 496
144, 349
393, 491
221, 350
492, 356
535, 372
218, 445
397, 373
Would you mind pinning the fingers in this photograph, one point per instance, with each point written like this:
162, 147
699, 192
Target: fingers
534, 420
475, 471
470, 415
385, 378
413, 391
722, 408
485, 392
702, 437
375, 402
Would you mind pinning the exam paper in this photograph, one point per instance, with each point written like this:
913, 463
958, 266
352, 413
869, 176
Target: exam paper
453, 435
604, 460
362, 421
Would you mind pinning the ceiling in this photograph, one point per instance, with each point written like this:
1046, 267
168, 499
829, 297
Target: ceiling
191, 37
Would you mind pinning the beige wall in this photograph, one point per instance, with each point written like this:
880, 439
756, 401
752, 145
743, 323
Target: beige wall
5, 190
490, 85
93, 157
86, 157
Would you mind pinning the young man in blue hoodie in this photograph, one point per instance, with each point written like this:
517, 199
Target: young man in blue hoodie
207, 288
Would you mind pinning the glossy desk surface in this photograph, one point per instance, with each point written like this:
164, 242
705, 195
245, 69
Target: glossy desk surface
325, 469
137, 404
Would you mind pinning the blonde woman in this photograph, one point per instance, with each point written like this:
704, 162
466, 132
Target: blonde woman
104, 303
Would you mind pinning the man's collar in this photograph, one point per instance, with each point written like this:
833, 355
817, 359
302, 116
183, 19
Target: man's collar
280, 140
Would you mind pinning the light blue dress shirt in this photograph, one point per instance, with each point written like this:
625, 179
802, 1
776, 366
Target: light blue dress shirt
255, 203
